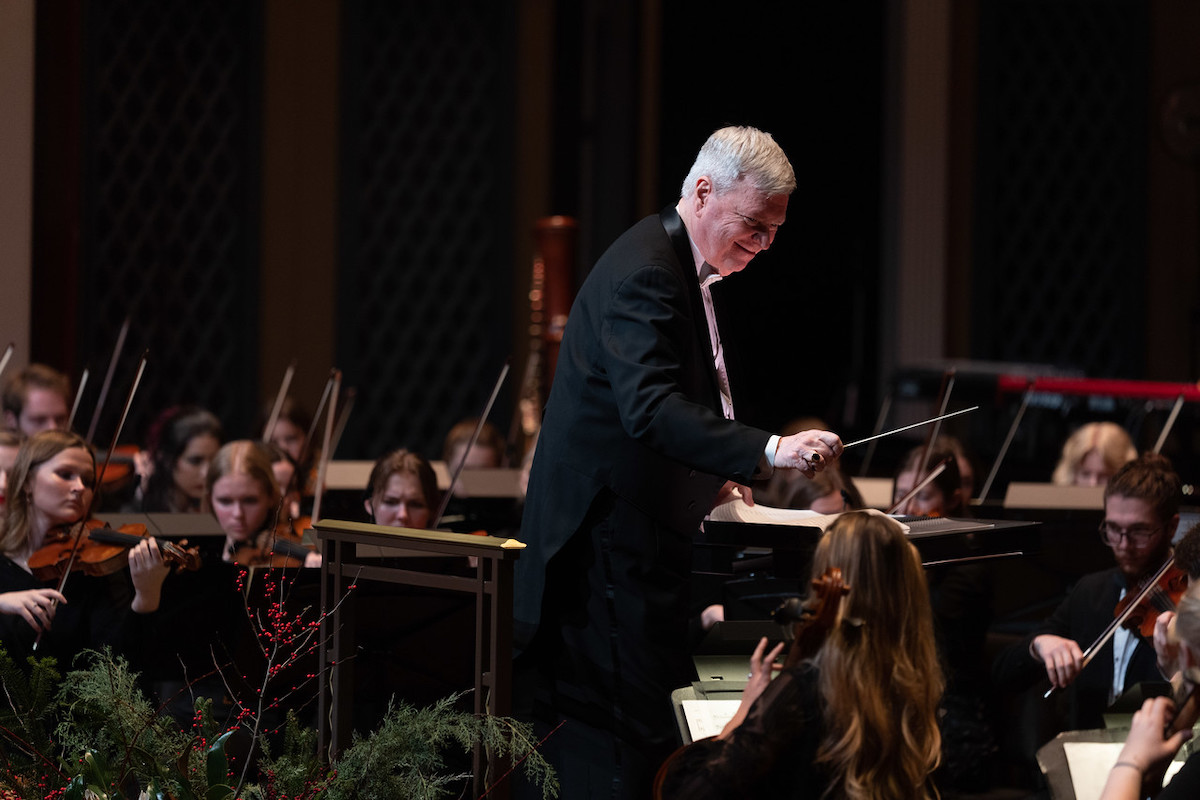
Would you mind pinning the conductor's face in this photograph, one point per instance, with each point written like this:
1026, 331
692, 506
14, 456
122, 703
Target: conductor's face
734, 226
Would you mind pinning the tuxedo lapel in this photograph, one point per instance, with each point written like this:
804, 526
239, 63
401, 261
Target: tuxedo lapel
682, 246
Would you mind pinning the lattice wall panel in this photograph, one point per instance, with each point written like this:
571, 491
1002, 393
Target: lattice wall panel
171, 207
426, 273
1061, 184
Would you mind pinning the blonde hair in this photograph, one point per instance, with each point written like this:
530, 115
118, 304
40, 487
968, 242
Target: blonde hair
1109, 438
244, 457
36, 450
880, 679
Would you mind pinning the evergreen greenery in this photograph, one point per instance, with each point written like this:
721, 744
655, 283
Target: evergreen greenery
112, 744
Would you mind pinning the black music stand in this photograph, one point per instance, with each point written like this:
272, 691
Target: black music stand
491, 584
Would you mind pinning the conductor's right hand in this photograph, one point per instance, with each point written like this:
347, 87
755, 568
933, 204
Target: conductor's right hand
808, 451
1062, 658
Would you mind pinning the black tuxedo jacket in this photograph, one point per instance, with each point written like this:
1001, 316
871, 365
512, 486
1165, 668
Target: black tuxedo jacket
634, 413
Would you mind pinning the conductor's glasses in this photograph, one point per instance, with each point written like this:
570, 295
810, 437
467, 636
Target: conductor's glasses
1137, 535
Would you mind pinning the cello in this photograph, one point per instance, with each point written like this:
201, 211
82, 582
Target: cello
813, 620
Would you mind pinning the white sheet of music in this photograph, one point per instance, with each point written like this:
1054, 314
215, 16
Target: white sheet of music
1090, 763
737, 511
708, 717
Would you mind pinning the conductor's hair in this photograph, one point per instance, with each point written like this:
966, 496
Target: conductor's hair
736, 153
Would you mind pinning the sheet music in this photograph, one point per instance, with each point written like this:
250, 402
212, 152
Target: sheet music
708, 717
737, 511
1090, 763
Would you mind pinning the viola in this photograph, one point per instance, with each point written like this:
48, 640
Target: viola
102, 551
813, 620
1164, 595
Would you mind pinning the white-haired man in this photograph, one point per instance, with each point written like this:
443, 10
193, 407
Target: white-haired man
638, 443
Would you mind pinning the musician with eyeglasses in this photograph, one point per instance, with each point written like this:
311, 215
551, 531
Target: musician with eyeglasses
1141, 514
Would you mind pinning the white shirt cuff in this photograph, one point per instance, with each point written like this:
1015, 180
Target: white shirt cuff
772, 446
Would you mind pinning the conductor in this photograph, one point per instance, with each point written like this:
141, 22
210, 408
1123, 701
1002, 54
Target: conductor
638, 443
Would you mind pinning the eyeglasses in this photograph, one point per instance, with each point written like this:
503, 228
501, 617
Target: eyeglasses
1139, 535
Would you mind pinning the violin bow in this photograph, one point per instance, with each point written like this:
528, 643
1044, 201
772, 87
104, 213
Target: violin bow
8, 354
1012, 432
83, 379
62, 582
277, 407
108, 376
1103, 638
933, 473
948, 378
343, 417
487, 409
316, 420
1162, 437
333, 388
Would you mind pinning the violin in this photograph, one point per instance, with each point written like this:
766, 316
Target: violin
119, 472
102, 551
1161, 586
1164, 595
278, 551
813, 620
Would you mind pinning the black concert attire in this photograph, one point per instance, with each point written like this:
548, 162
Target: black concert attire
93, 616
1082, 616
771, 754
633, 451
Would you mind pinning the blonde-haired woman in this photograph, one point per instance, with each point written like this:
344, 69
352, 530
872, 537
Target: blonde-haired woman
1093, 454
858, 719
50, 489
245, 499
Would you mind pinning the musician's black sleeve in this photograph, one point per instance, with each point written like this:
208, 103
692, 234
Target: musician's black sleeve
1015, 668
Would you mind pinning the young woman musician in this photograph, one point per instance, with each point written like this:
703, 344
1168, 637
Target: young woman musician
290, 435
181, 443
1093, 454
944, 496
1153, 739
961, 597
859, 718
245, 498
50, 489
402, 491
